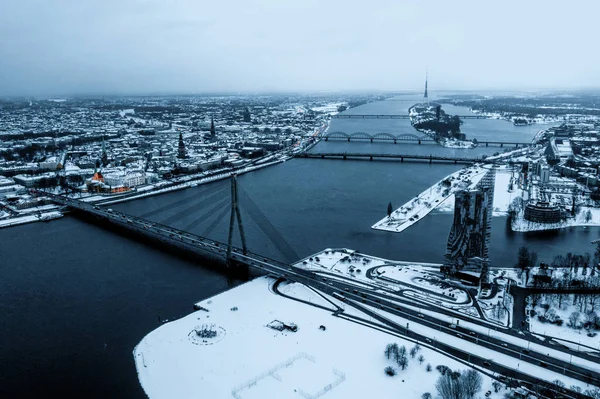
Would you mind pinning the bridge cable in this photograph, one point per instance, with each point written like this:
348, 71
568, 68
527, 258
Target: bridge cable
268, 229
216, 222
168, 206
193, 208
206, 214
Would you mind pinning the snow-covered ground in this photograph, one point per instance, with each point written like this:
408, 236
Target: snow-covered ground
45, 216
250, 360
421, 283
430, 199
520, 224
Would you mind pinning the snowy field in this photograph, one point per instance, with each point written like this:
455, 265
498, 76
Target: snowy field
346, 360
430, 199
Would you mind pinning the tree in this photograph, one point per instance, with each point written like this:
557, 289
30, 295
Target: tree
389, 370
389, 209
413, 352
574, 319
497, 385
426, 395
390, 349
588, 216
449, 388
421, 359
402, 362
428, 368
472, 382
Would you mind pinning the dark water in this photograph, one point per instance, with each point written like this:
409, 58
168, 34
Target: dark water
67, 288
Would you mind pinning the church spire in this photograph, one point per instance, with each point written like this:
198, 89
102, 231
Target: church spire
181, 149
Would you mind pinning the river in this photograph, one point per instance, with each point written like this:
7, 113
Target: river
76, 298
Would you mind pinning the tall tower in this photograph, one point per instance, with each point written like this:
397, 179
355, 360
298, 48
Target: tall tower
425, 94
213, 133
181, 149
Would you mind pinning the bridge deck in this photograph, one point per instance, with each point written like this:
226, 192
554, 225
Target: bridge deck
401, 157
395, 116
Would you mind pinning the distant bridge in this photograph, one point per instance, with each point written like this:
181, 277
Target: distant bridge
395, 116
383, 136
376, 137
400, 157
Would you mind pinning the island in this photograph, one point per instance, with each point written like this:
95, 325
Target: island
430, 118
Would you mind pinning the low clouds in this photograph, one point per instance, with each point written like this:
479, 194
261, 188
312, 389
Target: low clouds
145, 46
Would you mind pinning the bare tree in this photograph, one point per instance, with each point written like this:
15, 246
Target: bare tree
450, 388
426, 395
574, 319
472, 382
402, 362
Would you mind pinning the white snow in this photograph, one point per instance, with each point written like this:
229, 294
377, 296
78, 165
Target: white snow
430, 199
254, 361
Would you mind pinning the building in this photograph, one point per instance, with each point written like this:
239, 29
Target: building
544, 174
469, 237
542, 212
559, 149
126, 179
181, 148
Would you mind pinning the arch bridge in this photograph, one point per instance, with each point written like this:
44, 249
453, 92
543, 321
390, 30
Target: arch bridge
382, 136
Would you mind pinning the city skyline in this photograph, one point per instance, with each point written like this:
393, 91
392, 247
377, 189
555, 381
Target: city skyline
182, 47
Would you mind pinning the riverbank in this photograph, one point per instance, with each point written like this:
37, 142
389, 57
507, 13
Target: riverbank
432, 198
24, 219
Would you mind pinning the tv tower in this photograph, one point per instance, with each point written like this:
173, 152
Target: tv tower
425, 94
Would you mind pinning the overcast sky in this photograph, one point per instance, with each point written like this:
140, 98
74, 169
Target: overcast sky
61, 47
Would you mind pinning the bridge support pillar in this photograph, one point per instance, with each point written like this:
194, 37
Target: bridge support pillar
344, 157
501, 145
431, 159
326, 138
401, 159
371, 139
419, 141
371, 158
322, 156
455, 162
487, 144
235, 213
348, 138
394, 141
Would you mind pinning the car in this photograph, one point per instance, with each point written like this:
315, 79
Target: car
544, 364
473, 333
459, 335
486, 363
421, 315
526, 351
428, 340
505, 345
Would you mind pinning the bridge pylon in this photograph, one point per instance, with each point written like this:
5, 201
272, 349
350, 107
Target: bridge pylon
235, 214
